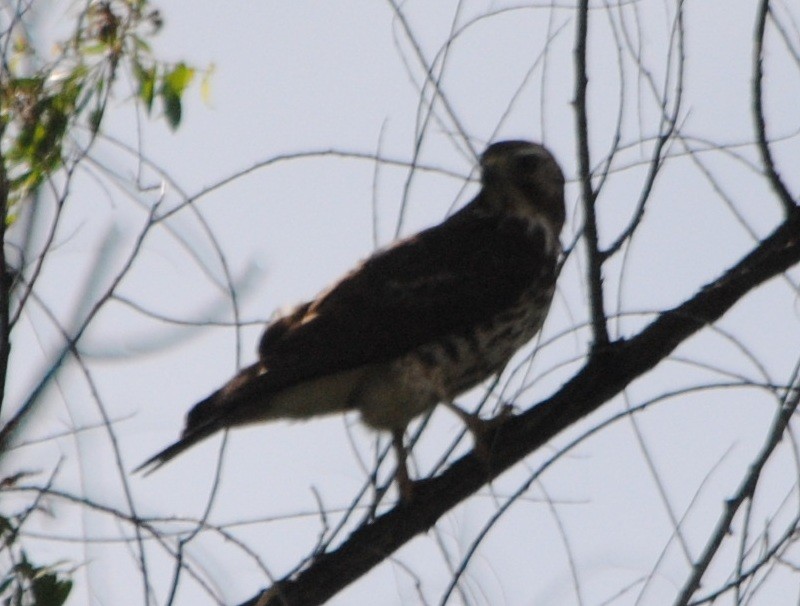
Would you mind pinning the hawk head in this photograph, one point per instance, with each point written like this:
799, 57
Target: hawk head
523, 179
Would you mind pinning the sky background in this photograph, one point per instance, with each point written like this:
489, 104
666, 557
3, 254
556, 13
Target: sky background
303, 77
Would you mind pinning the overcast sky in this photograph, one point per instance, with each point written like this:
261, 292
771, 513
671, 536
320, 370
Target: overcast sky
294, 77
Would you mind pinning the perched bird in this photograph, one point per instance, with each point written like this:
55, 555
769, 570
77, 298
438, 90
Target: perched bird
415, 324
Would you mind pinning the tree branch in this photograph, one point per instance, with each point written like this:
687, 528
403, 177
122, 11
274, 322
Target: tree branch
605, 374
758, 111
6, 282
746, 491
588, 195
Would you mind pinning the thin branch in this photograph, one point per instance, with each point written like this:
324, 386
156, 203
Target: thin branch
5, 280
568, 552
667, 129
745, 492
588, 195
433, 80
425, 110
11, 427
783, 541
688, 509
758, 112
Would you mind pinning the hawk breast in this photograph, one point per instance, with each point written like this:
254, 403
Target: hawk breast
453, 362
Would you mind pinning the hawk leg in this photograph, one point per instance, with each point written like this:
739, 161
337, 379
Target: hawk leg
481, 428
404, 483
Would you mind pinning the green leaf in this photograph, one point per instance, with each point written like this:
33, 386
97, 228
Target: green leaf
30, 85
172, 107
94, 49
49, 590
173, 84
179, 78
147, 84
95, 118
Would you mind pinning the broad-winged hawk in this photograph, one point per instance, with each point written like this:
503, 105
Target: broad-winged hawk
415, 324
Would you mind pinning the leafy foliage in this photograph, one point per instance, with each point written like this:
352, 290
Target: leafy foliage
26, 583
47, 106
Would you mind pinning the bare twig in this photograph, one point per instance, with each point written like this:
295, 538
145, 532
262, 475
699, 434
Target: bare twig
767, 160
745, 492
588, 194
5, 280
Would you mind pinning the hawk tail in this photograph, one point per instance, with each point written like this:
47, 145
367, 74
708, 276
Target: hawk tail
255, 395
173, 450
207, 417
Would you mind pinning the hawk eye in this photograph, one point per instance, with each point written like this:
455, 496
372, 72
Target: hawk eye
527, 162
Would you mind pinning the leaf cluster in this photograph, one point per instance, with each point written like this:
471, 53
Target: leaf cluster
25, 583
50, 112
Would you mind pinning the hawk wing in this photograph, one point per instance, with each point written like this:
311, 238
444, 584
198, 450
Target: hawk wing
445, 280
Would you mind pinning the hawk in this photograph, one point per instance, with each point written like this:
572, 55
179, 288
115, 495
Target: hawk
415, 324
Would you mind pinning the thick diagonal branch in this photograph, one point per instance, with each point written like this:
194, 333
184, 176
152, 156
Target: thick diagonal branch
605, 374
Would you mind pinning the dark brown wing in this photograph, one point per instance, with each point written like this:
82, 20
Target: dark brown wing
444, 280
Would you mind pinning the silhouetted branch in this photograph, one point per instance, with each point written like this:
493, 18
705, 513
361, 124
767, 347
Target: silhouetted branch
746, 492
5, 282
667, 129
588, 194
758, 111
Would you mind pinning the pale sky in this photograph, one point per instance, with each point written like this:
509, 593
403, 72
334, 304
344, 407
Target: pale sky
309, 77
